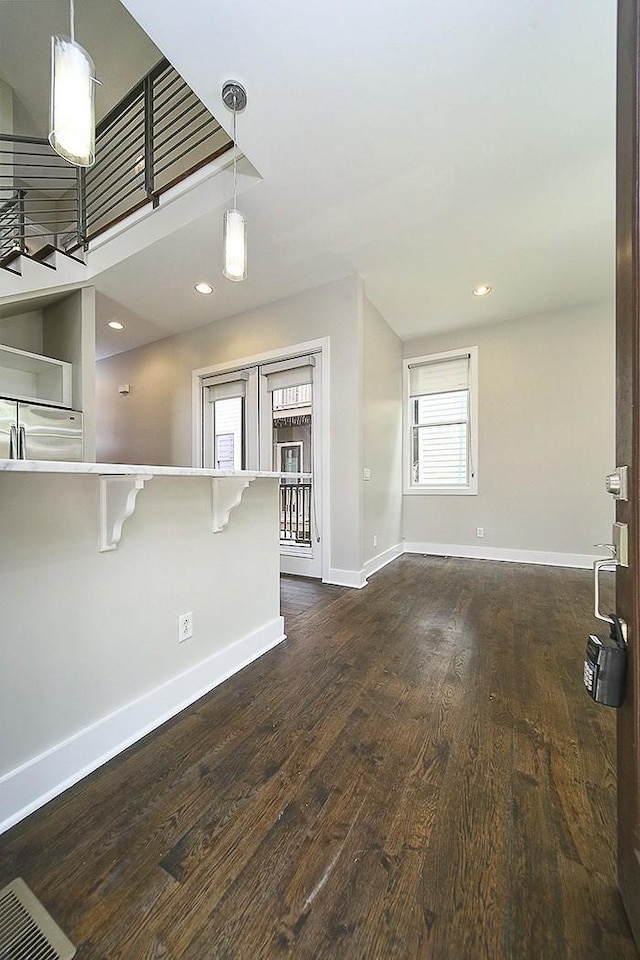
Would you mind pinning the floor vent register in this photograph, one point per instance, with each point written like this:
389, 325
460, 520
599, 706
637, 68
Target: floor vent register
27, 931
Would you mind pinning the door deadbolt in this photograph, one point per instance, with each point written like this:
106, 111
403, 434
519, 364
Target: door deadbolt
617, 483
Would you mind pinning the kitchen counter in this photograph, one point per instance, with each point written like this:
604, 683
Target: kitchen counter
120, 484
126, 469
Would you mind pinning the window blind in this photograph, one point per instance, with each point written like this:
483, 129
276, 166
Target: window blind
440, 401
439, 376
280, 376
221, 388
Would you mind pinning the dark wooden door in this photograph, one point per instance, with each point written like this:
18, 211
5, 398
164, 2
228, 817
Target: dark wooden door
628, 445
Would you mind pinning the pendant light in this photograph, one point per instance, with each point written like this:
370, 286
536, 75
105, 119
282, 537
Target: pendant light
72, 118
234, 242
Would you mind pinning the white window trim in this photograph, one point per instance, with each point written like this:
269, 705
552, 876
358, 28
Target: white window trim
471, 490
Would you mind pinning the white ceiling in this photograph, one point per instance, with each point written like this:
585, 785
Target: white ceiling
427, 146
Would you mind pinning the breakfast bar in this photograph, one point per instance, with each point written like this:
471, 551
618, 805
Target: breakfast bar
99, 566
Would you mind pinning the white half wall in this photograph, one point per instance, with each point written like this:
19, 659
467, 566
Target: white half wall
546, 438
91, 659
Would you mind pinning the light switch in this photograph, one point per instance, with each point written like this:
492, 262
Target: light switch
366, 474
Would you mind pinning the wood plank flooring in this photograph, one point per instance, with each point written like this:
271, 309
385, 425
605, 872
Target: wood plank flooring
415, 773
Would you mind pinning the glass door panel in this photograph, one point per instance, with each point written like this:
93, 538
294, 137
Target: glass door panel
288, 397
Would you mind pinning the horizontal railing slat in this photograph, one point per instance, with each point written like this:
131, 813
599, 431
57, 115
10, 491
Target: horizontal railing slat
128, 173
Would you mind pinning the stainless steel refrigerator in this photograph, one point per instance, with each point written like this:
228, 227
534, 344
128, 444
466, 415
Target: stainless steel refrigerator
31, 431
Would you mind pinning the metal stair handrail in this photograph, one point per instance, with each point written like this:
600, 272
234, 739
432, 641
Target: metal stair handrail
156, 136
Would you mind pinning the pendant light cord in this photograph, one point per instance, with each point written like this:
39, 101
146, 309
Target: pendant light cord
72, 17
235, 155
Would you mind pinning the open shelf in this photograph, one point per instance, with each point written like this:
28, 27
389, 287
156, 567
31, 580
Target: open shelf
29, 376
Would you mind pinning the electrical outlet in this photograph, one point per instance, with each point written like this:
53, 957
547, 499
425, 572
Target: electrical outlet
185, 627
479, 531
375, 539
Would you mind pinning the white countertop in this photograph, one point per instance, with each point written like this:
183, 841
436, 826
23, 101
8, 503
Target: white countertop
125, 469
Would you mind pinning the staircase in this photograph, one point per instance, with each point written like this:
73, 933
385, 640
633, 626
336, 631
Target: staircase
49, 267
158, 136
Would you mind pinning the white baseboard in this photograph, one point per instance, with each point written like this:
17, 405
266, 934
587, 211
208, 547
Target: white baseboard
34, 783
358, 578
346, 578
581, 560
382, 559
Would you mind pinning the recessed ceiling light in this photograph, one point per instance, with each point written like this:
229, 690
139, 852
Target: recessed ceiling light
482, 290
204, 287
115, 325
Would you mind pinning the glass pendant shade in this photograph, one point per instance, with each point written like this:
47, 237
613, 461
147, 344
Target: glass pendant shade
235, 245
72, 120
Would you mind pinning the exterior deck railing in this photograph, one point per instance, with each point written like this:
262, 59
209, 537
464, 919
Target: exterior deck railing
295, 513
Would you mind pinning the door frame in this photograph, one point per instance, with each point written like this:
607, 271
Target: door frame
322, 346
628, 445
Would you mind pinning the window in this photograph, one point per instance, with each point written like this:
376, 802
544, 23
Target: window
441, 427
224, 422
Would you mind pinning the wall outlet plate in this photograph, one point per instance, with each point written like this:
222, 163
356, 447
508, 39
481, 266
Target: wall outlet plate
185, 626
479, 531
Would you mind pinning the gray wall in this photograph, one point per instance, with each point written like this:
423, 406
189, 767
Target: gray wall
64, 330
546, 436
24, 332
153, 423
381, 433
69, 334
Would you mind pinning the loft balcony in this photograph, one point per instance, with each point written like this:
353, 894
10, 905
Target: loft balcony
157, 138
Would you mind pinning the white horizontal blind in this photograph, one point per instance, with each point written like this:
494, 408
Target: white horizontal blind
224, 388
439, 376
284, 379
440, 404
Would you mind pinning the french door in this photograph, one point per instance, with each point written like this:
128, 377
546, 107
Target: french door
268, 417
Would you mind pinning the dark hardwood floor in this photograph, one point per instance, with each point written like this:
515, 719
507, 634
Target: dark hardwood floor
416, 772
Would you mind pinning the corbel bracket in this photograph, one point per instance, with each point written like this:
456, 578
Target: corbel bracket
227, 494
118, 495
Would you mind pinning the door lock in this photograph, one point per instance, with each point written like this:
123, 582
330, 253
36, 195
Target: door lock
619, 551
617, 483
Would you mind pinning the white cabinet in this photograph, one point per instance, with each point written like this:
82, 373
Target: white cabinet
29, 376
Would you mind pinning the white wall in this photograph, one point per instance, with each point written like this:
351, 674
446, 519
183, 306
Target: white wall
153, 423
381, 434
90, 655
546, 437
